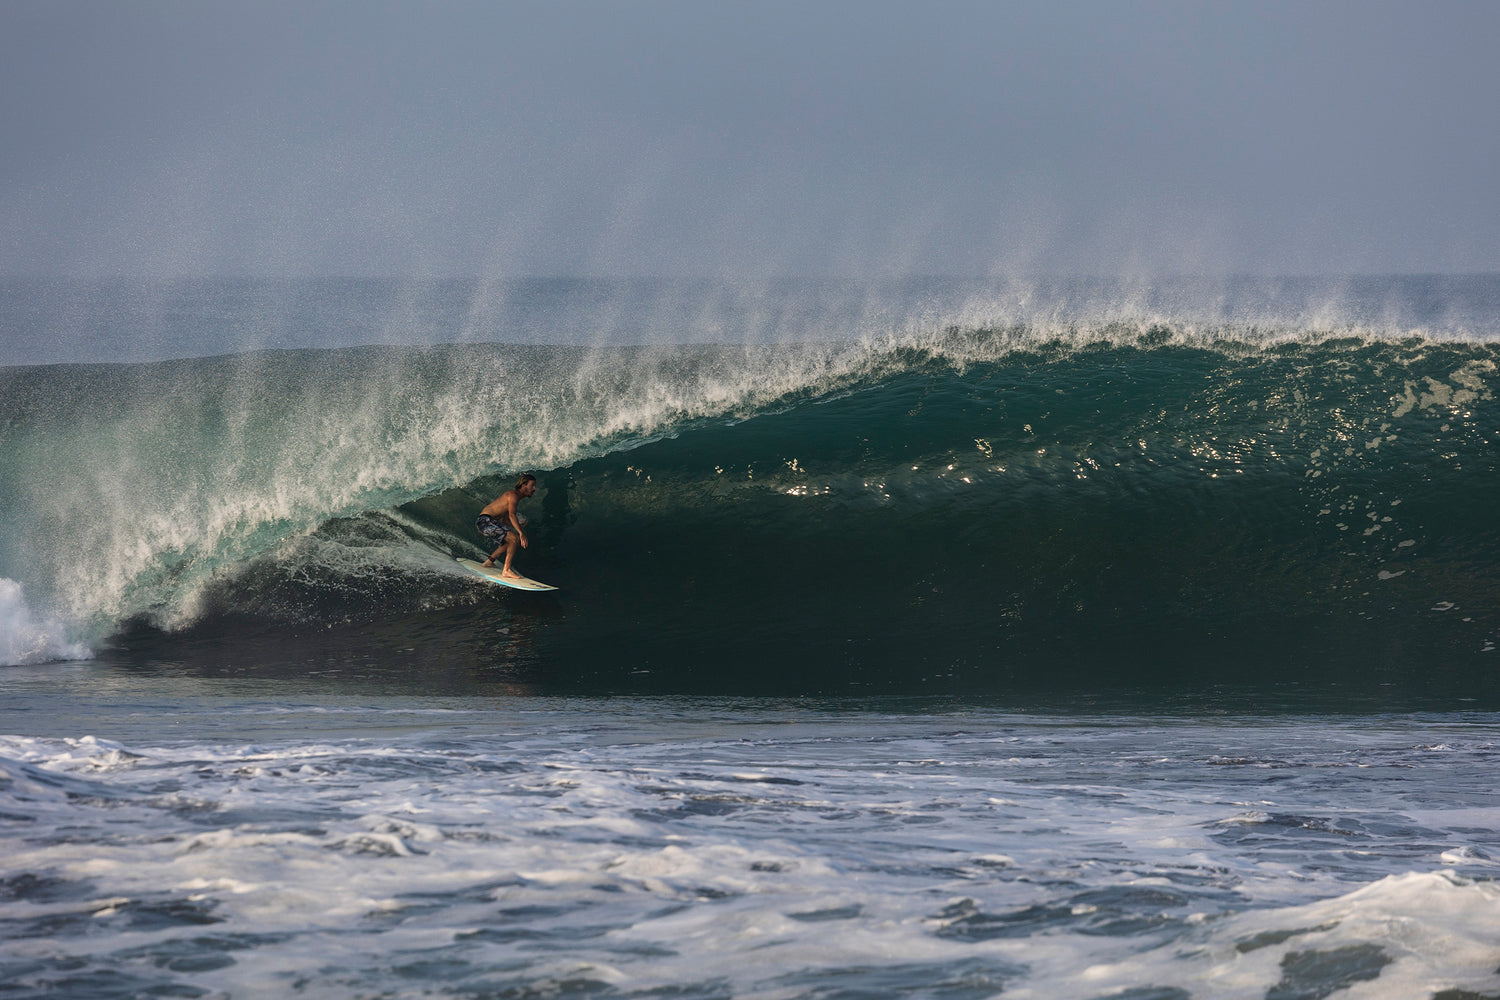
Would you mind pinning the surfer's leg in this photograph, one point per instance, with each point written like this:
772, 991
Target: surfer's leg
505, 546
512, 543
493, 533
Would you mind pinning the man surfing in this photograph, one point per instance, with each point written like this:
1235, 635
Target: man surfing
500, 525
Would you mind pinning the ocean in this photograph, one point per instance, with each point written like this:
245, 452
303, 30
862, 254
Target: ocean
951, 638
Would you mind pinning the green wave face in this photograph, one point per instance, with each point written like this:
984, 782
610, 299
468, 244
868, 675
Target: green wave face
968, 511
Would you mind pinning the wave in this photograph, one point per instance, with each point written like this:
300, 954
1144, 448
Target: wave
937, 505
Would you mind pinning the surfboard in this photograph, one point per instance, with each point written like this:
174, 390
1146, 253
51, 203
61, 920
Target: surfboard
493, 576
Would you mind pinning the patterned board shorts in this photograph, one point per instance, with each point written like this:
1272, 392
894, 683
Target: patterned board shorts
492, 530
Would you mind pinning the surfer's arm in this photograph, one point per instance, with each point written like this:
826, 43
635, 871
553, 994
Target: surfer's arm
515, 524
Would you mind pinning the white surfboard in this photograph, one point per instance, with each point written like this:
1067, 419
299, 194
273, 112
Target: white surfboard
492, 574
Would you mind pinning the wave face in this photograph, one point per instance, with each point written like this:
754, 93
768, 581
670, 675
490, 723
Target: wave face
996, 509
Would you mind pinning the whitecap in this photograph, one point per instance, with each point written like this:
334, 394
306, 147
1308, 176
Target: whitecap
26, 638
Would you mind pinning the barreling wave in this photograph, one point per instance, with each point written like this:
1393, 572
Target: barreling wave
951, 505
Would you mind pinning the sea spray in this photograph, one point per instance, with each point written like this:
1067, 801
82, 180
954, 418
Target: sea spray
25, 638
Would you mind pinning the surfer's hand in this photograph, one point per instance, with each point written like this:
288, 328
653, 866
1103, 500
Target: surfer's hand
523, 540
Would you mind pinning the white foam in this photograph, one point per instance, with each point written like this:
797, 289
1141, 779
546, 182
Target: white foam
26, 638
678, 862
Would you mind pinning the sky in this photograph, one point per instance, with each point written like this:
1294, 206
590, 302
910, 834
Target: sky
730, 139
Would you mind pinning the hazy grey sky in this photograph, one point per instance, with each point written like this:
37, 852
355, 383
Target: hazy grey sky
748, 139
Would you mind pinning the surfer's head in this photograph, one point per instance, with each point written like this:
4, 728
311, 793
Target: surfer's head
526, 479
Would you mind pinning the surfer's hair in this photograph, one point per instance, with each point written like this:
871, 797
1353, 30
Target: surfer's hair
525, 478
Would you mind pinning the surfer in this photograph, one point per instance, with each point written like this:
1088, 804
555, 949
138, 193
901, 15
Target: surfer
500, 525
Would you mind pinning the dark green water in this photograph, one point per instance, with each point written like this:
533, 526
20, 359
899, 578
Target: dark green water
972, 517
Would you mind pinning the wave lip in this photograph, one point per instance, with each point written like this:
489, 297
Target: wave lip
25, 639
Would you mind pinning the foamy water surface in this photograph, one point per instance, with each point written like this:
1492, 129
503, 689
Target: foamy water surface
662, 847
